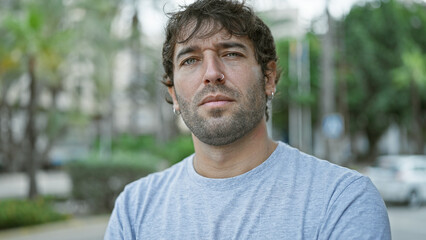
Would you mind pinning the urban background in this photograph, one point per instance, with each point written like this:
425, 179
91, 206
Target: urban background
83, 110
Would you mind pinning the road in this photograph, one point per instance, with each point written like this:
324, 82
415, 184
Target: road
407, 223
89, 228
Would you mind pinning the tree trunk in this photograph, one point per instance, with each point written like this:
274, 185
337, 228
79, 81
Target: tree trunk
417, 119
53, 137
2, 142
10, 147
31, 158
12, 157
373, 141
4, 128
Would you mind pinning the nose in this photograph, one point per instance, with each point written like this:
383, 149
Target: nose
213, 73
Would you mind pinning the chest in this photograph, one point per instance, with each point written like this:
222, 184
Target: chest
255, 212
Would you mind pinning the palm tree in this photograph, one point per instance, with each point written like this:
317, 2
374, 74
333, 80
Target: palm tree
38, 31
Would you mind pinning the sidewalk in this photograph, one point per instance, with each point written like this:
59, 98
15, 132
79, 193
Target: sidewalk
88, 228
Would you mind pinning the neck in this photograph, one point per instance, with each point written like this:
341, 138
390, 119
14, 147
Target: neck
236, 158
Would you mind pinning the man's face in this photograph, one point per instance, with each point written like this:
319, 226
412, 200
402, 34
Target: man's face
219, 87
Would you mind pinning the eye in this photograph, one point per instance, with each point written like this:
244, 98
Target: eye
189, 61
233, 54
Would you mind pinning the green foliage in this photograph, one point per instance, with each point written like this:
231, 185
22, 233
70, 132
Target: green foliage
176, 150
40, 31
413, 69
98, 46
384, 45
128, 142
99, 181
18, 213
282, 99
286, 94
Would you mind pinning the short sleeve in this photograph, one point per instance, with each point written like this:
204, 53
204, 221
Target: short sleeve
119, 225
357, 212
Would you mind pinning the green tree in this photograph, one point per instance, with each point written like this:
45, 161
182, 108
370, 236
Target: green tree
411, 77
287, 86
375, 38
9, 70
37, 37
97, 48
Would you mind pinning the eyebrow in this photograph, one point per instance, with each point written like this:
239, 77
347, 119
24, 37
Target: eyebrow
226, 45
186, 50
223, 45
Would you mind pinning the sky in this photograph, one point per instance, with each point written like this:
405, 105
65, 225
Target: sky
308, 10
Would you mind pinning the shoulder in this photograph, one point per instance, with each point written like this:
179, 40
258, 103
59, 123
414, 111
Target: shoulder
352, 206
311, 168
329, 180
356, 211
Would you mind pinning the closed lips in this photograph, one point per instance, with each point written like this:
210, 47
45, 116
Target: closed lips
217, 98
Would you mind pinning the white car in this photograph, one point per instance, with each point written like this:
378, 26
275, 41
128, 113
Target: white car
400, 178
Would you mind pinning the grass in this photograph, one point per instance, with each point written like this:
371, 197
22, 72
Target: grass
20, 212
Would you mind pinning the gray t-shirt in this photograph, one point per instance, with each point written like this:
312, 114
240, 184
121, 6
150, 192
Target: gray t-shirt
289, 196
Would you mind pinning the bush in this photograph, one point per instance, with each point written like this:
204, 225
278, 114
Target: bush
98, 182
173, 151
130, 143
18, 213
133, 143
176, 150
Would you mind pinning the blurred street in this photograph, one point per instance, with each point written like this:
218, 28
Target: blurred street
15, 185
407, 223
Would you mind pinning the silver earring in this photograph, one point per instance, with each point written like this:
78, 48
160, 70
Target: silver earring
222, 77
176, 112
271, 96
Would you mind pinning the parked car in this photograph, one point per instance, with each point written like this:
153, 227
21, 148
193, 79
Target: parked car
400, 178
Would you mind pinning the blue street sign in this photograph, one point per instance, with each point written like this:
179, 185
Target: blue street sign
332, 125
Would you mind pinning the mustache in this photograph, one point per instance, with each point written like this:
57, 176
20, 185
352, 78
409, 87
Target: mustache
212, 89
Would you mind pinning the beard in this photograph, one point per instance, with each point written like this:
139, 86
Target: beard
218, 128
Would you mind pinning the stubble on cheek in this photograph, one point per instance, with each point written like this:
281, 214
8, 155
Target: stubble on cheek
216, 128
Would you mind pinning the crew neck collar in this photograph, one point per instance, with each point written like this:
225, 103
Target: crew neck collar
223, 184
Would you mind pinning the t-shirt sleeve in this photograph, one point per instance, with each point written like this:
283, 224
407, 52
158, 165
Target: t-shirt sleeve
119, 225
356, 212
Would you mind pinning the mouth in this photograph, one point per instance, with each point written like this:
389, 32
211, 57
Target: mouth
216, 100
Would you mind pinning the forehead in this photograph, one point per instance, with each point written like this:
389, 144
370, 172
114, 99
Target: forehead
210, 38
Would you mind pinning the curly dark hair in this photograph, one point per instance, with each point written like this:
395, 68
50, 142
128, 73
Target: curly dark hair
216, 15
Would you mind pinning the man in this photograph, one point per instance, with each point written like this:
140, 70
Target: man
221, 69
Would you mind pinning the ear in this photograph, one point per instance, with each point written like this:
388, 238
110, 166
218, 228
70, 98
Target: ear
172, 94
270, 77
